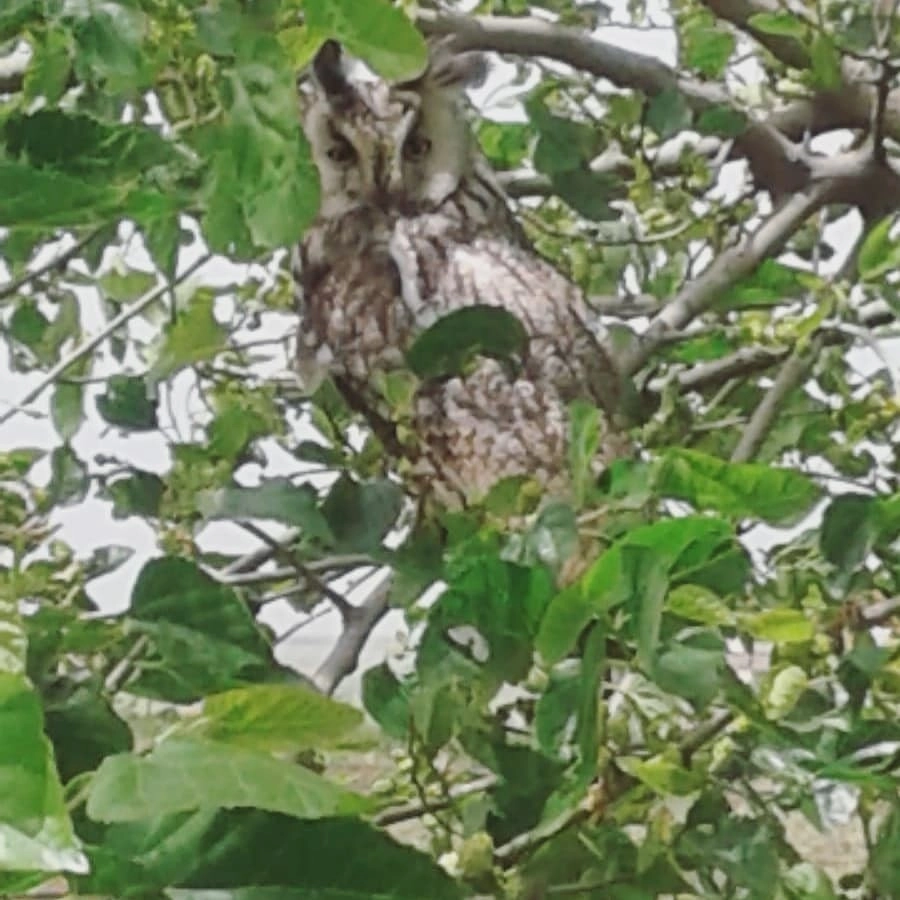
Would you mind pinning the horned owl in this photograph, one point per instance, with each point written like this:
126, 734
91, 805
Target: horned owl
413, 225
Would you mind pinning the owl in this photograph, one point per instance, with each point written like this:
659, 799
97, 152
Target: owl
414, 225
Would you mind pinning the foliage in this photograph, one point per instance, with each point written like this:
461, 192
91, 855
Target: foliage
597, 739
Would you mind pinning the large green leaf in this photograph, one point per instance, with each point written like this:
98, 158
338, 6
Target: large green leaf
188, 773
35, 830
41, 197
376, 31
203, 638
262, 188
693, 549
752, 490
276, 717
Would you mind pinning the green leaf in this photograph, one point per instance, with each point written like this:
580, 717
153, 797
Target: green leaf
35, 831
361, 514
779, 23
825, 62
84, 730
849, 530
247, 848
692, 669
375, 31
123, 287
79, 145
751, 490
588, 192
448, 347
67, 409
771, 284
648, 573
661, 775
563, 144
48, 71
669, 113
129, 403
276, 718
193, 337
567, 616
69, 480
138, 494
885, 859
262, 187
203, 638
722, 121
698, 604
35, 198
505, 144
385, 699
879, 253
784, 690
187, 774
781, 626
706, 47
277, 499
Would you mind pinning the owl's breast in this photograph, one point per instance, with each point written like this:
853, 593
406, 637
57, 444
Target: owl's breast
351, 319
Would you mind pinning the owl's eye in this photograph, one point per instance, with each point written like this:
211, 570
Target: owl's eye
341, 151
416, 147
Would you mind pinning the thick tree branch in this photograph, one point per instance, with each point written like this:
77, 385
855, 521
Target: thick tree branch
359, 621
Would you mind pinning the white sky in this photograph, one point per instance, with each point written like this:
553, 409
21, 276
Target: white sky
89, 525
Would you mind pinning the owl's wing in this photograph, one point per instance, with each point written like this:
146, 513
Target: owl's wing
440, 272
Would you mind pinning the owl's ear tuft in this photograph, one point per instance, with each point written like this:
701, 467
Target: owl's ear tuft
448, 67
330, 75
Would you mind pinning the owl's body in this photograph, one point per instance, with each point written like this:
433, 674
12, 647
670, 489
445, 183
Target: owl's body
413, 225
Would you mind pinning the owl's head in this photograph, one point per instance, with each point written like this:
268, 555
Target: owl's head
403, 148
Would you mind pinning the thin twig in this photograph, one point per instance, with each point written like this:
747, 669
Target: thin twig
128, 313
58, 262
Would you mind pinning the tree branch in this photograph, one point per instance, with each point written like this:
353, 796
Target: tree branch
359, 621
726, 270
790, 376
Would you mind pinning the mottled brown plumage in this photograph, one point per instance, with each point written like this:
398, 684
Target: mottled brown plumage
414, 225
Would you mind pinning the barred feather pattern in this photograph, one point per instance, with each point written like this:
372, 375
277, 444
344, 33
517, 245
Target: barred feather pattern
396, 253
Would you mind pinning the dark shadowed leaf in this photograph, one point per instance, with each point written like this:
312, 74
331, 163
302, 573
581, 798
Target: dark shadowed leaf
360, 514
69, 481
386, 701
449, 346
128, 402
277, 499
84, 730
669, 113
137, 494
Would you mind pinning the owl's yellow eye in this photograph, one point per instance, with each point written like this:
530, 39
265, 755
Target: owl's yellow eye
416, 147
341, 151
